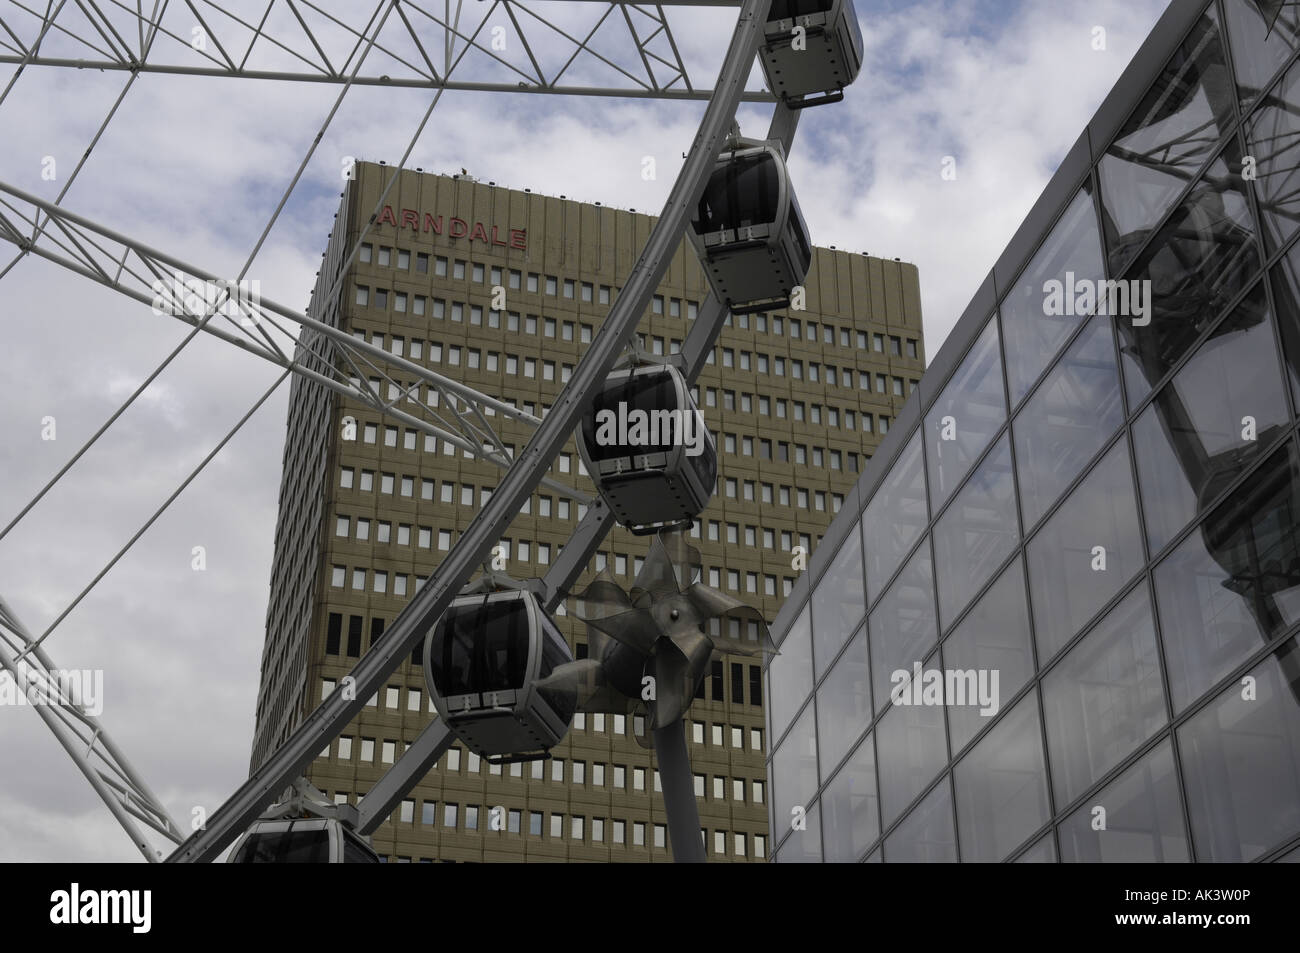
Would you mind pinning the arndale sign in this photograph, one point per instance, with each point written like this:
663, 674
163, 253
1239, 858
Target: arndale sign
454, 227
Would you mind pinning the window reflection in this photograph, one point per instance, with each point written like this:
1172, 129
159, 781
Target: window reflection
902, 625
1273, 135
895, 517
1143, 821
789, 676
965, 417
1241, 760
1200, 260
1031, 335
1286, 298
977, 533
1172, 133
1069, 418
1084, 553
1212, 421
1235, 582
1043, 852
852, 807
993, 636
1001, 786
794, 772
1104, 698
839, 603
844, 702
925, 837
1262, 35
911, 750
804, 846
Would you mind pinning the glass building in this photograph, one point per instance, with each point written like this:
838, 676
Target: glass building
1057, 619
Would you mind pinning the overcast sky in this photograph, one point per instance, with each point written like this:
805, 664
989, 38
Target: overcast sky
194, 166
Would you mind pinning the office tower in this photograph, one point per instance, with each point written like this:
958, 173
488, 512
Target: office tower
1093, 498
797, 401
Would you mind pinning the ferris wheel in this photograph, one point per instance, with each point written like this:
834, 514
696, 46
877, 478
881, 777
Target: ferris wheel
733, 198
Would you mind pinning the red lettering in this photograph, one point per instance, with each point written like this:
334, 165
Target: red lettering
410, 219
480, 233
495, 238
519, 239
433, 224
459, 228
387, 216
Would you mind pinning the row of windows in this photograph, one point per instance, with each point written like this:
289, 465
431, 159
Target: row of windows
826, 374
405, 583
719, 735
533, 283
473, 818
795, 409
474, 359
401, 259
616, 776
415, 348
732, 488
780, 450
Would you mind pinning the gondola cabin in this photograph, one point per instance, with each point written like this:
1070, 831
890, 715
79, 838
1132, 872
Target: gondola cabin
482, 662
310, 840
811, 50
748, 230
645, 444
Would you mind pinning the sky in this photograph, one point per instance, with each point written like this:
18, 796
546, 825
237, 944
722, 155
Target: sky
195, 166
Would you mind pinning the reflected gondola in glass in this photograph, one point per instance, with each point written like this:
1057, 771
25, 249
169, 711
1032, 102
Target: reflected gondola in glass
748, 230
811, 50
482, 662
645, 444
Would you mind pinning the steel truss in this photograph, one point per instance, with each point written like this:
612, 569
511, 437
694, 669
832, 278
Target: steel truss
82, 735
332, 357
514, 46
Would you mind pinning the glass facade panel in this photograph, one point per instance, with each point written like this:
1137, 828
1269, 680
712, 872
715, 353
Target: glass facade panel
977, 533
804, 845
1286, 298
993, 637
1273, 138
794, 773
1234, 583
1134, 819
902, 626
1035, 323
910, 751
1241, 758
1043, 852
895, 517
965, 417
852, 807
1152, 376
1069, 418
838, 603
1262, 37
925, 836
1084, 553
1001, 786
1174, 130
789, 676
845, 706
1211, 422
1197, 263
1105, 698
